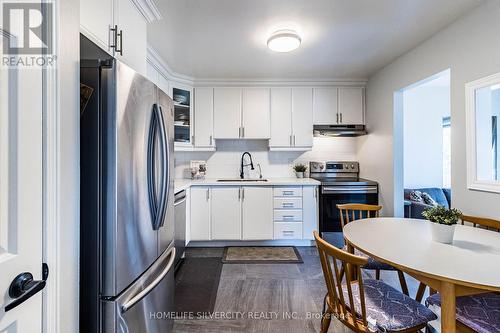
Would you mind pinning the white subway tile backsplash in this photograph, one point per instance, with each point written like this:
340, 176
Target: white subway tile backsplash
225, 162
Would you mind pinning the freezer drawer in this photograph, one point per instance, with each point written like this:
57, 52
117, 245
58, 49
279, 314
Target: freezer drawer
147, 304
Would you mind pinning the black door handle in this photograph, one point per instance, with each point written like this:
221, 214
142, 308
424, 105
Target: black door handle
22, 288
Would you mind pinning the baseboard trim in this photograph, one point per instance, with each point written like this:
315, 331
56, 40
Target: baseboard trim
284, 242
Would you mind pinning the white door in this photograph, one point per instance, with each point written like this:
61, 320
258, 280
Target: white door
203, 117
351, 105
309, 211
302, 117
20, 191
281, 117
133, 41
325, 106
200, 213
96, 20
226, 213
256, 113
227, 113
257, 212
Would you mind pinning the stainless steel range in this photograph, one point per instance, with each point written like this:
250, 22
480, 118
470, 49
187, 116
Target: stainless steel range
340, 184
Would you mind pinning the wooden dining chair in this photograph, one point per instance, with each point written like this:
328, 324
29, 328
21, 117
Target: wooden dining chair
364, 305
475, 313
352, 212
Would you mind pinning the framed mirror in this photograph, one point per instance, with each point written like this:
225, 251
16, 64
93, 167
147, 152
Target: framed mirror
482, 119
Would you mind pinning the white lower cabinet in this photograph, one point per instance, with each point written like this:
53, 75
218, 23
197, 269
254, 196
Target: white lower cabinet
200, 213
309, 211
257, 212
226, 212
287, 230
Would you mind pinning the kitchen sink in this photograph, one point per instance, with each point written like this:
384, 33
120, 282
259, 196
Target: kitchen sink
241, 180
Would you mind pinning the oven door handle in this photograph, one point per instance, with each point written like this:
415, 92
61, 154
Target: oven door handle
348, 189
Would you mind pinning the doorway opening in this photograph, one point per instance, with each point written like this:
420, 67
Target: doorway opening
422, 136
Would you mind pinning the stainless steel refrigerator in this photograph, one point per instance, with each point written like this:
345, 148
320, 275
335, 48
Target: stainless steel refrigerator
127, 227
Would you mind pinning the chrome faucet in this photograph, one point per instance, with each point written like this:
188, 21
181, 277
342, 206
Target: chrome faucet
242, 174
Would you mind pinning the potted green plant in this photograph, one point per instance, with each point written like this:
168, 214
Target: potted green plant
299, 169
443, 223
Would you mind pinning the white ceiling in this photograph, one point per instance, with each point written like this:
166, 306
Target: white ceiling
341, 39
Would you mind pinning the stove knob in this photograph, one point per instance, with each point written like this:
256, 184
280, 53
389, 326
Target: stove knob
346, 167
353, 166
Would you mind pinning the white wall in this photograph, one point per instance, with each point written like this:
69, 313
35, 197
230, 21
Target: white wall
225, 162
424, 108
470, 48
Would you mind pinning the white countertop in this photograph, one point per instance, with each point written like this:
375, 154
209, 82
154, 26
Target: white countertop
182, 184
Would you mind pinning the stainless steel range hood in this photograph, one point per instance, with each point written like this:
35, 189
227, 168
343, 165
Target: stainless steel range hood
339, 130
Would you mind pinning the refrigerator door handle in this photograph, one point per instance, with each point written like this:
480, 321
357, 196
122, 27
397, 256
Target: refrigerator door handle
165, 185
143, 293
153, 205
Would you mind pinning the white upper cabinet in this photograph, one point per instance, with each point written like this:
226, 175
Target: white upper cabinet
132, 41
151, 73
96, 20
226, 213
118, 28
164, 85
203, 120
291, 118
227, 113
302, 117
281, 117
351, 105
257, 212
325, 106
256, 116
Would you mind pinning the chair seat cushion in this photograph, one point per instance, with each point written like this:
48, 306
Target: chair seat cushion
392, 310
479, 312
372, 263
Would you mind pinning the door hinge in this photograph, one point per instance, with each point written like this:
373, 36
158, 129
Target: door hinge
45, 271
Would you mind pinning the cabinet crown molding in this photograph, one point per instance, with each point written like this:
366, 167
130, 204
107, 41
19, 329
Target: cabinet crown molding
148, 9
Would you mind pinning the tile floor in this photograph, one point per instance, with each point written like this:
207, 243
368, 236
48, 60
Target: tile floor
278, 297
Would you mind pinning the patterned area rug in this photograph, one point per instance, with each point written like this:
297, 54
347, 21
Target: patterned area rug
261, 255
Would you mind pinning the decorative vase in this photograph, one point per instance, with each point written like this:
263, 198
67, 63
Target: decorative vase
442, 233
299, 174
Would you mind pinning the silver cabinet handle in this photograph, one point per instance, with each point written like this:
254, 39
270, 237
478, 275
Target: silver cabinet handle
239, 132
208, 194
243, 131
290, 140
134, 300
242, 194
288, 232
341, 118
337, 118
287, 192
210, 140
294, 139
239, 194
287, 204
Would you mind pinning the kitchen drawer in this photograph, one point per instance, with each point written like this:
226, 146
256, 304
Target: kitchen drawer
288, 191
288, 203
285, 230
288, 215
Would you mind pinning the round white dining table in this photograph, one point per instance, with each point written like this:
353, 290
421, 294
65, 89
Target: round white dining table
469, 266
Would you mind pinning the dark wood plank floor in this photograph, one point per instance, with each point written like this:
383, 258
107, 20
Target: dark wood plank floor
269, 297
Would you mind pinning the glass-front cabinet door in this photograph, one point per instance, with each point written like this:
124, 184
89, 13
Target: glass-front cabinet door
183, 116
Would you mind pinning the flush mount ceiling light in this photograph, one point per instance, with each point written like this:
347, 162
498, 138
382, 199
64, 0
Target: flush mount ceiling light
283, 41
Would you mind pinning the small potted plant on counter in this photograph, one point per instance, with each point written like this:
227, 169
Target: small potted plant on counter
443, 223
299, 169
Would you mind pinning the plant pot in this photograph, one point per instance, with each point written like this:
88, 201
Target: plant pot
299, 174
442, 233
